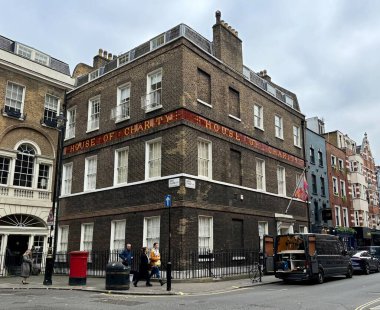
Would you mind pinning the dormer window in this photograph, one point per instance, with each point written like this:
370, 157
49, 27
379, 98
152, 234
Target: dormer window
157, 42
32, 54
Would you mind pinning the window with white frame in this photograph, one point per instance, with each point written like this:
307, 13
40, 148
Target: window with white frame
365, 219
333, 161
258, 116
337, 216
70, 124
24, 165
271, 89
117, 241
43, 176
342, 188
67, 176
152, 101
4, 170
90, 173
289, 101
151, 231
204, 158
122, 110
345, 217
320, 158
297, 136
205, 233
51, 109
353, 192
32, 54
278, 126
121, 166
260, 174
87, 231
93, 114
14, 99
303, 229
363, 192
335, 186
63, 239
312, 155
157, 41
340, 164
263, 230
281, 180
356, 218
153, 159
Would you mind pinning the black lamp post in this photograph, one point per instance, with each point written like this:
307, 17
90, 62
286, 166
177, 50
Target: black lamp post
50, 258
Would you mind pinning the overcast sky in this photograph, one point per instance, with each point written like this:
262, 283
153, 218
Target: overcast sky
325, 51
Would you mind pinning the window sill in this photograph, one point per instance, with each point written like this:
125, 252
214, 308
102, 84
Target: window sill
234, 117
298, 146
20, 118
69, 138
204, 103
153, 109
280, 138
259, 128
122, 120
91, 130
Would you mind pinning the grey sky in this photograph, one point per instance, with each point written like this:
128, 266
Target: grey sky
326, 51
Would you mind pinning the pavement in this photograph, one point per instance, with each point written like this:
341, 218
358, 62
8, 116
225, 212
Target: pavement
179, 287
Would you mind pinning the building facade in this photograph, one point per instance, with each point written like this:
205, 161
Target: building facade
362, 185
32, 88
317, 176
181, 116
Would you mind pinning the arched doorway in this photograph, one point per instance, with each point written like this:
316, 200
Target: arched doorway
18, 232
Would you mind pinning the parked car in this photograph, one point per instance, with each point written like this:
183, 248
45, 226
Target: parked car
364, 262
372, 249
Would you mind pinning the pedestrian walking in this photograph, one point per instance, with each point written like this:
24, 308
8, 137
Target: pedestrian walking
127, 259
143, 268
155, 262
26, 266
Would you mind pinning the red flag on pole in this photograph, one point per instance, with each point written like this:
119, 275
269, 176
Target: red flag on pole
302, 189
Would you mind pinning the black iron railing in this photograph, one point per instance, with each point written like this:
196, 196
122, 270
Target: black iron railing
185, 264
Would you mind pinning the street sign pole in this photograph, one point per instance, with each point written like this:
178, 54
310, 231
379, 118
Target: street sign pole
168, 204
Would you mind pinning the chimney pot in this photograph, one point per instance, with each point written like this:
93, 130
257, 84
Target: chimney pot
100, 52
105, 54
218, 15
109, 56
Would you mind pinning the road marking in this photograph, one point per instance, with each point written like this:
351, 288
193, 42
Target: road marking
364, 306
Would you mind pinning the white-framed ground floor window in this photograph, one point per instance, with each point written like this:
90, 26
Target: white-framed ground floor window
263, 230
87, 231
117, 242
205, 233
151, 231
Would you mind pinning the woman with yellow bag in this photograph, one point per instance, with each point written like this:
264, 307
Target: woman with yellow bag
155, 262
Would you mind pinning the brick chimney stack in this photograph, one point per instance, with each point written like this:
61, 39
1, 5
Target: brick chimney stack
227, 45
101, 59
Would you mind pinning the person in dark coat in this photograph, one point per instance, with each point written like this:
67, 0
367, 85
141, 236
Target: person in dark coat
143, 268
26, 266
127, 259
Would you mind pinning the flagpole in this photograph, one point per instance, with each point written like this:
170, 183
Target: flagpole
298, 183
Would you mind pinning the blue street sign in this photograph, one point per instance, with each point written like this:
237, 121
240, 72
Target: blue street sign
168, 200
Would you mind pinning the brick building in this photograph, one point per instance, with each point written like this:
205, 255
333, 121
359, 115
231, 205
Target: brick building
183, 116
361, 169
340, 200
32, 88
